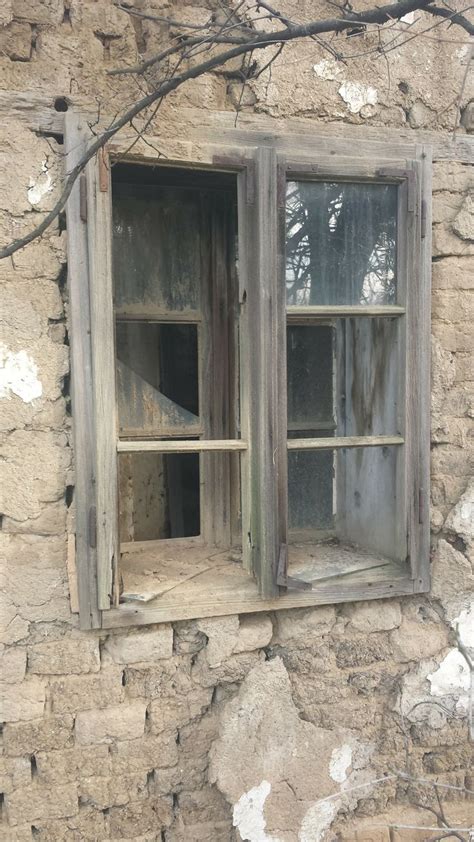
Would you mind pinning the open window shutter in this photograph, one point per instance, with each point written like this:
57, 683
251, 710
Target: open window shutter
99, 239
93, 377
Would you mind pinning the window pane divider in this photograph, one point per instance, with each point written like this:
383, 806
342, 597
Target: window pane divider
180, 446
344, 441
343, 310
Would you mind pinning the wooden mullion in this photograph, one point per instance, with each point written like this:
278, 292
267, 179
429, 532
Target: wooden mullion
81, 379
103, 355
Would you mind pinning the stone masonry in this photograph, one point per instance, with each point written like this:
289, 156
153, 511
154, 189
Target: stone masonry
272, 727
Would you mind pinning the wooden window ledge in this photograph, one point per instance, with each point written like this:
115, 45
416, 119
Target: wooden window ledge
189, 581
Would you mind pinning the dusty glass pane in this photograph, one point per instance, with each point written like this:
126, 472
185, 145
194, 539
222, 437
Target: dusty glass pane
367, 377
310, 487
156, 248
361, 508
340, 243
159, 496
157, 378
310, 375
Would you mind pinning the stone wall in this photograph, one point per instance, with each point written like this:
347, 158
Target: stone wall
261, 722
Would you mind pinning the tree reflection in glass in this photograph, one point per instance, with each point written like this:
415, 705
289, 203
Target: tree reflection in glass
340, 243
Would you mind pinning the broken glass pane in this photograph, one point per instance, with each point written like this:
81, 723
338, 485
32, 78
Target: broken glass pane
340, 243
159, 496
157, 378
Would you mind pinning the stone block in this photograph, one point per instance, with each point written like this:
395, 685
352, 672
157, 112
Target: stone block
463, 224
221, 633
460, 520
453, 273
12, 664
121, 722
48, 734
65, 656
112, 791
361, 651
14, 772
73, 693
141, 646
24, 702
303, 625
39, 11
234, 669
136, 819
36, 802
174, 709
15, 41
34, 469
421, 635
145, 754
255, 632
56, 767
373, 616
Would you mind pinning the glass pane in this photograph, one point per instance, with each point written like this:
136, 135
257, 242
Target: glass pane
344, 378
368, 373
310, 376
157, 378
159, 496
156, 248
310, 488
340, 243
361, 508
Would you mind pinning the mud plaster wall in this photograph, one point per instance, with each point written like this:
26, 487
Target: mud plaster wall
228, 728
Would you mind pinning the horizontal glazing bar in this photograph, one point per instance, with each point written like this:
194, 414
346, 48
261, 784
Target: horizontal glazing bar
338, 311
177, 317
180, 446
344, 441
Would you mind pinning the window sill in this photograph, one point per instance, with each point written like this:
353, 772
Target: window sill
193, 584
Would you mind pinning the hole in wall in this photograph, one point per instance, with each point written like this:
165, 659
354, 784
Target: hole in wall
61, 104
34, 766
2, 805
403, 87
62, 225
69, 495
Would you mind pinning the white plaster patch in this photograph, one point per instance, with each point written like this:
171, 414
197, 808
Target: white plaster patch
408, 18
317, 820
341, 759
452, 678
327, 69
39, 188
248, 814
465, 627
356, 96
19, 374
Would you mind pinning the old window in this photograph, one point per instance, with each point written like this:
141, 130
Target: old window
249, 420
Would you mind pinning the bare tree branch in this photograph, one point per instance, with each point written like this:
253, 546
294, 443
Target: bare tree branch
246, 42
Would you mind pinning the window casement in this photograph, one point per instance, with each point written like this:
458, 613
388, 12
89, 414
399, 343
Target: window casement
250, 375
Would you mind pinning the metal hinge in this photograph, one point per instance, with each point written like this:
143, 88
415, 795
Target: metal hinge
421, 505
103, 159
423, 218
285, 581
83, 197
92, 527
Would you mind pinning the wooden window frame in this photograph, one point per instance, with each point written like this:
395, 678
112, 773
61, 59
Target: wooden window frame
261, 164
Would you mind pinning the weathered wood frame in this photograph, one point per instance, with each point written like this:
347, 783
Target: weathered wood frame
256, 157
